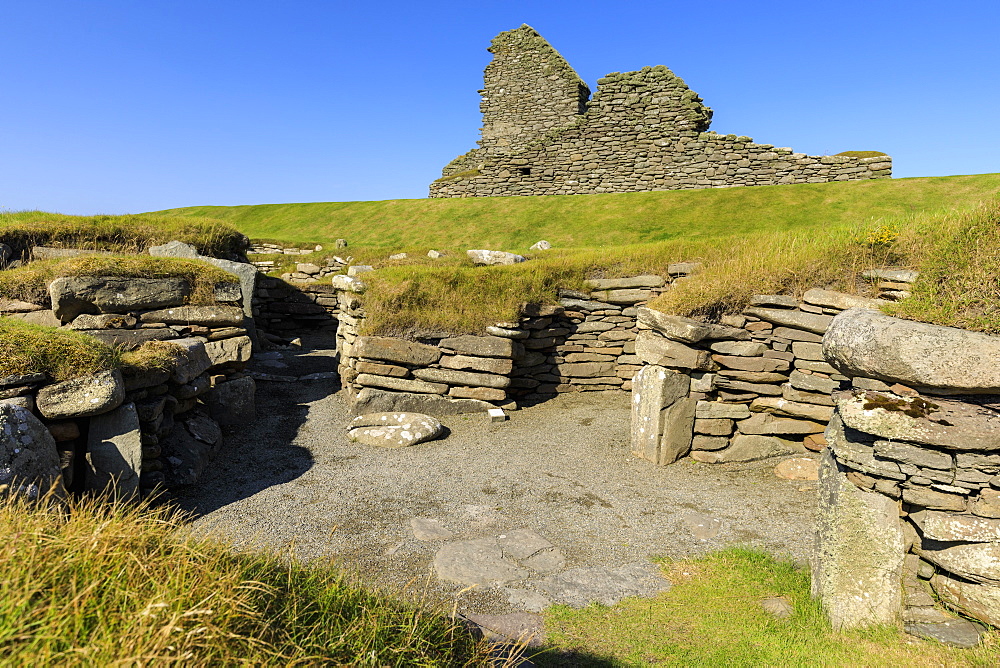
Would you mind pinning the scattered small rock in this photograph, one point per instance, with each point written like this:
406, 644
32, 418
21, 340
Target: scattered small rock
435, 255
798, 468
398, 256
541, 245
492, 257
777, 607
340, 243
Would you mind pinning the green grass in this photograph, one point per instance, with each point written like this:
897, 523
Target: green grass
27, 348
99, 584
588, 221
862, 154
712, 617
29, 282
127, 234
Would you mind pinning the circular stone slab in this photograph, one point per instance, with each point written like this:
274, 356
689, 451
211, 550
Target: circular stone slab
394, 430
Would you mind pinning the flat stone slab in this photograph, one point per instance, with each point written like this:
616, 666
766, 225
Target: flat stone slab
475, 562
425, 528
394, 430
957, 632
701, 526
606, 585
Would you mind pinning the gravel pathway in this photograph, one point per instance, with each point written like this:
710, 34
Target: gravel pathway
551, 500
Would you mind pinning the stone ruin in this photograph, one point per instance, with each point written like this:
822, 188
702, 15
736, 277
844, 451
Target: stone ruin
543, 134
905, 415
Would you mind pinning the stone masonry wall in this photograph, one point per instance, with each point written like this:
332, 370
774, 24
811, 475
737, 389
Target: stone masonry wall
132, 431
641, 131
585, 343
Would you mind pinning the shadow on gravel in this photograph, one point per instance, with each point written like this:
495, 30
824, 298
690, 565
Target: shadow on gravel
262, 454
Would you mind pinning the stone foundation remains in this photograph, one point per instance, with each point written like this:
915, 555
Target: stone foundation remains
138, 430
544, 135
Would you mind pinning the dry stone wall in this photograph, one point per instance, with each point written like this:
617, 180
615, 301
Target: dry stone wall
136, 430
585, 343
643, 130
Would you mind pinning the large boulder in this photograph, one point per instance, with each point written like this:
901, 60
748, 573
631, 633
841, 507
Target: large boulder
394, 430
29, 461
933, 358
857, 567
82, 397
73, 295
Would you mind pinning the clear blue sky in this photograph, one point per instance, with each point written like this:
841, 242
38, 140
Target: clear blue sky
115, 106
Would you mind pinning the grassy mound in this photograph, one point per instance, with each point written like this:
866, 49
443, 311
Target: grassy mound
101, 584
125, 234
712, 616
27, 348
588, 221
63, 354
30, 281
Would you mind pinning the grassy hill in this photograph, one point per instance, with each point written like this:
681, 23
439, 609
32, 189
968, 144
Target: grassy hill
587, 221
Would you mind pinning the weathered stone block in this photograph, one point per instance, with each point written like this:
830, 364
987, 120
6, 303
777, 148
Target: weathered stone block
659, 351
82, 397
114, 452
454, 377
400, 384
73, 295
206, 316
931, 357
481, 346
395, 350
857, 566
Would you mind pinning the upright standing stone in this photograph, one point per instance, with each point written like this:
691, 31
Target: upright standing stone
114, 452
857, 566
662, 414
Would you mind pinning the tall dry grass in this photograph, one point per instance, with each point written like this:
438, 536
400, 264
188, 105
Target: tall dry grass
99, 584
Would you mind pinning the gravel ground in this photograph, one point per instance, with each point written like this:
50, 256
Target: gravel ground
561, 468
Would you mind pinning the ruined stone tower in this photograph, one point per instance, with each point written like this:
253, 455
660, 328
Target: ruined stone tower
543, 135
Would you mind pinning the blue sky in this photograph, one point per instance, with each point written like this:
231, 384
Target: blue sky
129, 106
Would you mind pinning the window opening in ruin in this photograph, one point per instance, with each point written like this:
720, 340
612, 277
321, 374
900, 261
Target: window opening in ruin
525, 171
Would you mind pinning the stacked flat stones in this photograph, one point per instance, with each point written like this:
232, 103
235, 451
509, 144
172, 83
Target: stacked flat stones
586, 343
284, 307
759, 383
641, 131
134, 429
911, 483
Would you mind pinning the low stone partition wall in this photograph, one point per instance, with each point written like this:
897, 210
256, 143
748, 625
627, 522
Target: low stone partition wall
910, 486
585, 343
755, 385
125, 432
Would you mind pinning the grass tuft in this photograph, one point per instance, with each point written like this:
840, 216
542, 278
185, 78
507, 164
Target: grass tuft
62, 354
30, 281
124, 234
99, 583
